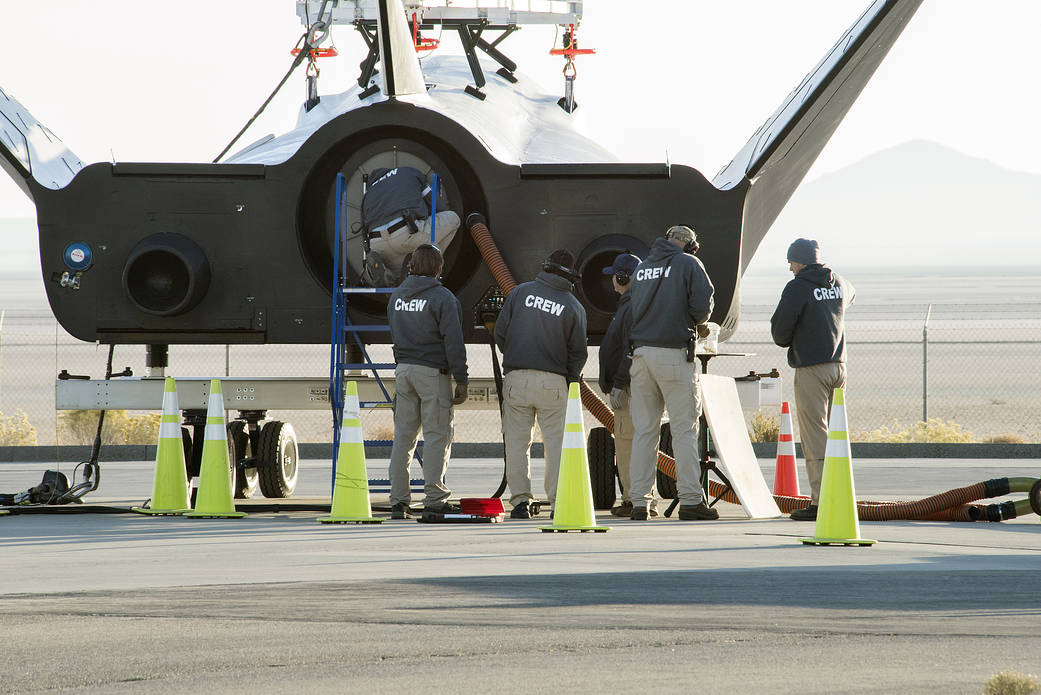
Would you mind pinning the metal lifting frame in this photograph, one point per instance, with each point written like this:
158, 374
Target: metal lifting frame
368, 66
470, 36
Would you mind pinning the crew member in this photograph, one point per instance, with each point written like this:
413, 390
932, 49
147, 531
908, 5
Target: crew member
541, 332
810, 322
672, 295
427, 331
614, 375
396, 217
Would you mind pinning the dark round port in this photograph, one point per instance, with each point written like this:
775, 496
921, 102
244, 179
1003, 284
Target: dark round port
166, 274
595, 287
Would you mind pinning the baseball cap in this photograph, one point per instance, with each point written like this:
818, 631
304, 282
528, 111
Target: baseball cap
623, 263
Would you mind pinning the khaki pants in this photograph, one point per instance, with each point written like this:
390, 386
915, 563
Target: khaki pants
529, 394
423, 397
662, 377
393, 247
623, 452
623, 448
813, 390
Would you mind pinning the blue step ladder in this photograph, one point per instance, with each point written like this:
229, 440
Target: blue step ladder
345, 332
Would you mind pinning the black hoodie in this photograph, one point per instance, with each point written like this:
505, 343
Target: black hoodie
614, 348
543, 326
810, 317
426, 326
671, 295
392, 193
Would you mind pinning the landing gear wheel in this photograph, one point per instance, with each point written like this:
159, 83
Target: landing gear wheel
600, 449
244, 481
666, 485
186, 445
191, 465
1035, 497
277, 459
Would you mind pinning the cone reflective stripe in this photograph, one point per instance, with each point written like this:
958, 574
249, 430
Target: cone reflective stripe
786, 479
170, 485
573, 509
214, 499
351, 488
837, 520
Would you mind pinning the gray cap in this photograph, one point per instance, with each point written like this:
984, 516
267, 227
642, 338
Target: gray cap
805, 251
680, 233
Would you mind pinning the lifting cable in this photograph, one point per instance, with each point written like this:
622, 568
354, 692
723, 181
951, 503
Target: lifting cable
310, 40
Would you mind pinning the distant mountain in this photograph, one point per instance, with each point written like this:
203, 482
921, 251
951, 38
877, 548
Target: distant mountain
20, 242
918, 203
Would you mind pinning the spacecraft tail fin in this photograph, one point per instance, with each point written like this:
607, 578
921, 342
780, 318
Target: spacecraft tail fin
777, 157
402, 73
28, 150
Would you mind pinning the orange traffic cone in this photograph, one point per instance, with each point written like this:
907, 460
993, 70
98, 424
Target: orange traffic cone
170, 485
573, 508
351, 489
786, 480
837, 520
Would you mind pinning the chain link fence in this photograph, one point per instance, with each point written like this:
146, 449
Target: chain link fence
973, 365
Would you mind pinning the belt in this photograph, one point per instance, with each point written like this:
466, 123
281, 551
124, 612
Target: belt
390, 227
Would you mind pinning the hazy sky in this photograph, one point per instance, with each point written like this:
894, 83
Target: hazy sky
173, 81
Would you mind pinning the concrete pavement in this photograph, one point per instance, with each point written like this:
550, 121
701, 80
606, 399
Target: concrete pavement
121, 603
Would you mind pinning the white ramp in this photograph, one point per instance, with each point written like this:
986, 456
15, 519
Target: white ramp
726, 424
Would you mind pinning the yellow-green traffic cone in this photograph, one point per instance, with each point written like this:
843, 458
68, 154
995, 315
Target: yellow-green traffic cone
170, 485
573, 508
351, 487
837, 520
214, 499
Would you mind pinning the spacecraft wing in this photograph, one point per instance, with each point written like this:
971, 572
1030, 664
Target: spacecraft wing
29, 150
777, 157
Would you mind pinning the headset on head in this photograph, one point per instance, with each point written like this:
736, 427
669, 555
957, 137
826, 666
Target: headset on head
622, 277
691, 246
570, 273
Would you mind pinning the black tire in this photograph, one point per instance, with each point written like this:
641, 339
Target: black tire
191, 468
666, 485
277, 459
600, 452
186, 444
245, 482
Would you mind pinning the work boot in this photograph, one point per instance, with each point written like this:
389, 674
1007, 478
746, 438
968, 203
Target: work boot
639, 513
521, 511
623, 509
805, 514
697, 512
442, 508
400, 511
